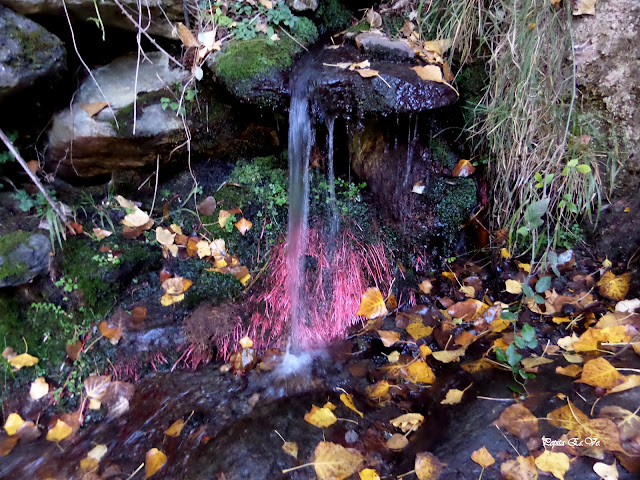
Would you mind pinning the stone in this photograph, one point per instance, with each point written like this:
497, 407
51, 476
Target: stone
86, 146
303, 5
23, 256
28, 53
381, 45
110, 14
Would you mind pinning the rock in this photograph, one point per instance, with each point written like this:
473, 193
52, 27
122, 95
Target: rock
89, 146
379, 44
302, 5
23, 256
29, 53
110, 13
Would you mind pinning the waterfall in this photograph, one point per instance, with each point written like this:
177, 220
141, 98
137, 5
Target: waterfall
333, 203
300, 143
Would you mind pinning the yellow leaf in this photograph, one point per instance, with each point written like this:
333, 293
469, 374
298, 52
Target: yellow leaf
418, 330
454, 396
397, 441
526, 267
334, 462
393, 357
13, 423
348, 401
372, 304
243, 225
164, 236
425, 287
438, 46
522, 468
572, 370
388, 337
320, 417
430, 73
468, 291
568, 416
203, 249
425, 351
92, 460
154, 461
59, 432
94, 108
448, 356
600, 373
428, 467
378, 391
167, 299
222, 217
246, 342
137, 218
504, 253
483, 458
556, 463
631, 381
368, 73
39, 388
290, 448
450, 276
368, 474
601, 428
408, 422
175, 429
513, 286
614, 287
124, 203
584, 7
23, 360
419, 372
101, 233
187, 37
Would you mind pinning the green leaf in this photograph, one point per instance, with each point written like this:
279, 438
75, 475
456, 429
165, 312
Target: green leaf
519, 341
500, 355
538, 185
508, 316
527, 290
572, 207
539, 207
538, 299
565, 171
544, 283
582, 168
528, 333
538, 177
549, 178
515, 389
572, 163
513, 357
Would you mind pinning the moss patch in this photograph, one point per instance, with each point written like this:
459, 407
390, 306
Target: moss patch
37, 47
331, 16
454, 200
8, 243
442, 154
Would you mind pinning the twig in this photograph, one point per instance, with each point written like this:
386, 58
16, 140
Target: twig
293, 38
155, 190
32, 176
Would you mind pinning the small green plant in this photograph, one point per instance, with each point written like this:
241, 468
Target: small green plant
5, 155
166, 102
511, 356
106, 260
68, 285
44, 212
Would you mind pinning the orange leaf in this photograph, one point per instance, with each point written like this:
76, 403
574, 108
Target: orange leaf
94, 108
59, 432
372, 304
154, 461
112, 334
464, 168
175, 429
600, 373
519, 421
243, 225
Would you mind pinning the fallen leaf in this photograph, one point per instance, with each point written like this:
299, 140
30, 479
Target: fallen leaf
614, 287
628, 422
393, 357
39, 388
268, 4
584, 7
164, 236
92, 460
137, 218
519, 421
464, 168
418, 330
96, 387
591, 339
465, 339
154, 461
601, 428
408, 422
522, 468
467, 310
348, 401
8, 353
101, 233
378, 391
428, 466
7, 444
568, 416
174, 290
425, 351
138, 316
468, 291
454, 396
419, 372
605, 471
532, 362
13, 423
187, 38
430, 73
334, 462
175, 429
397, 441
59, 432
448, 356
290, 448
94, 108
243, 225
425, 287
112, 334
572, 370
207, 206
373, 18
368, 73
372, 304
388, 337
368, 474
23, 360
513, 286
320, 417
631, 381
555, 463
600, 373
483, 458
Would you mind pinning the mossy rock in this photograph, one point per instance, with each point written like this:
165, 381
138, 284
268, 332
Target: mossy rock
454, 200
332, 16
23, 256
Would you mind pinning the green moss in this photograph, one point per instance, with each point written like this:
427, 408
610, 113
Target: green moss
331, 16
124, 115
305, 31
8, 243
442, 154
472, 83
455, 200
360, 27
207, 286
37, 47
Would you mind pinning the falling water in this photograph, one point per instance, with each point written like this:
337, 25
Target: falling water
300, 143
333, 203
411, 141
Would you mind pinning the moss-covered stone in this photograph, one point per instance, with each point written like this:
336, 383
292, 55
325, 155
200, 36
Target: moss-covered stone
36, 44
442, 154
8, 243
454, 201
331, 16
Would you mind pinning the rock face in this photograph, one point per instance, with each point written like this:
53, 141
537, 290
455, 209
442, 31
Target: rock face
28, 53
110, 13
382, 45
608, 68
23, 256
89, 146
302, 5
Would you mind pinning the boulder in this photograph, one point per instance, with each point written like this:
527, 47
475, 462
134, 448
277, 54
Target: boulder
302, 5
381, 45
29, 53
23, 256
162, 12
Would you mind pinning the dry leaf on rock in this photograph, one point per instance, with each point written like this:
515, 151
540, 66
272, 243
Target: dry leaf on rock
378, 391
464, 168
605, 471
397, 441
630, 381
372, 304
334, 462
532, 362
92, 460
555, 463
13, 423
368, 474
174, 290
39, 388
175, 429
513, 286
96, 388
388, 337
418, 330
572, 370
59, 432
468, 291
601, 428
23, 360
164, 236
614, 287
628, 422
522, 468
448, 356
373, 18
418, 372
584, 7
320, 417
454, 396
290, 448
243, 225
154, 461
94, 108
568, 417
483, 458
428, 466
600, 373
408, 422
430, 73
467, 310
187, 36
112, 334
368, 73
348, 401
519, 421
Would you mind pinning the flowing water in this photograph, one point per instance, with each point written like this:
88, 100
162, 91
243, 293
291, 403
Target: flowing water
300, 143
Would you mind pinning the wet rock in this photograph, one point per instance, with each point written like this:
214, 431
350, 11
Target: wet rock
23, 256
110, 13
29, 53
302, 5
379, 44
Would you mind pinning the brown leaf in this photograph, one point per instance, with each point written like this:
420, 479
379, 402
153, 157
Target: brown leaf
368, 72
138, 316
600, 373
388, 337
464, 168
373, 18
154, 461
187, 37
468, 309
522, 468
112, 334
334, 462
207, 206
428, 466
628, 423
408, 422
7, 444
614, 287
243, 225
94, 108
601, 428
519, 421
397, 441
73, 349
